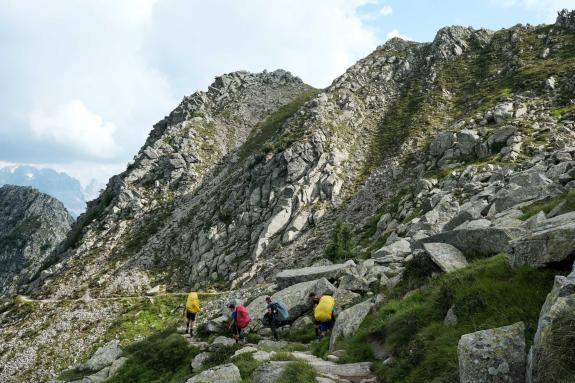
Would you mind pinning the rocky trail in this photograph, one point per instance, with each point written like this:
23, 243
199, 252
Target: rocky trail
278, 355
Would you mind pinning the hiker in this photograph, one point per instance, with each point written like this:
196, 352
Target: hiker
324, 314
314, 302
239, 319
277, 315
191, 310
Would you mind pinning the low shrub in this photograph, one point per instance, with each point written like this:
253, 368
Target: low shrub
161, 358
297, 371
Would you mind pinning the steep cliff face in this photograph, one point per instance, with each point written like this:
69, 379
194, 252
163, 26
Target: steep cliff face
251, 176
32, 224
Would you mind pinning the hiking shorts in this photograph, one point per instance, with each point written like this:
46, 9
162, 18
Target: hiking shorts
190, 315
325, 326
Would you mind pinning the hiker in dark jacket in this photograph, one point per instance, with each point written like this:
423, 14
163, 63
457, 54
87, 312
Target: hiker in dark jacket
276, 315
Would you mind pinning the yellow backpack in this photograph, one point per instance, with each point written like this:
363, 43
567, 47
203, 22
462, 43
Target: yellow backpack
193, 303
324, 309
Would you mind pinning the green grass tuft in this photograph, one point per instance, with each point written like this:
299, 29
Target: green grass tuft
321, 348
547, 206
246, 364
221, 356
146, 317
282, 356
301, 336
297, 371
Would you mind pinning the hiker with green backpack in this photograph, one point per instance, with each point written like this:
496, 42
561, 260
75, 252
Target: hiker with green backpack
239, 320
277, 315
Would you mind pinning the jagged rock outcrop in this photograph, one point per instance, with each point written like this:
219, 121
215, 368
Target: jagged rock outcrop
548, 241
32, 224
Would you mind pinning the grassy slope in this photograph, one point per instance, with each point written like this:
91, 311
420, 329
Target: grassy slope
269, 136
546, 206
486, 294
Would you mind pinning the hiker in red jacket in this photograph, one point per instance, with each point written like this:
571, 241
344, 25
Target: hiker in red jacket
239, 320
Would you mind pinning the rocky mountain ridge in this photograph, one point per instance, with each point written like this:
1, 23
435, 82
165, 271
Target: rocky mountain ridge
56, 184
424, 165
32, 225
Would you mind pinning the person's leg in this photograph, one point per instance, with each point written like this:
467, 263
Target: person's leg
331, 323
236, 332
274, 325
317, 333
192, 322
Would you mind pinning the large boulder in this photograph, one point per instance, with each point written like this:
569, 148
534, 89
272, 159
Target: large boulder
400, 248
294, 296
354, 283
269, 372
522, 187
348, 321
292, 276
221, 341
199, 360
495, 355
442, 213
226, 373
103, 357
473, 240
446, 256
552, 356
549, 241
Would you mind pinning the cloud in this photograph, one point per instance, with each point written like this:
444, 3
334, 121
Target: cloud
386, 10
395, 33
317, 45
91, 97
545, 8
73, 125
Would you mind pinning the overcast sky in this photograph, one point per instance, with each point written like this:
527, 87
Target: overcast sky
83, 81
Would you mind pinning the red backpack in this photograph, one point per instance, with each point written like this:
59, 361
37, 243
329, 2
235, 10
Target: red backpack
242, 317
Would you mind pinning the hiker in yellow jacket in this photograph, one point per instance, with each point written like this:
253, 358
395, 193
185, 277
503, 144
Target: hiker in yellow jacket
191, 310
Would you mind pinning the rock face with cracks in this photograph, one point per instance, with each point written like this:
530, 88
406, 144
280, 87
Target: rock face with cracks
496, 355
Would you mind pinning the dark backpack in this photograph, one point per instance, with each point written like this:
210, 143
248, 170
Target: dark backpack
281, 311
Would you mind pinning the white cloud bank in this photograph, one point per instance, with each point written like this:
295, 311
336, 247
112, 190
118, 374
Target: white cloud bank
83, 81
73, 125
